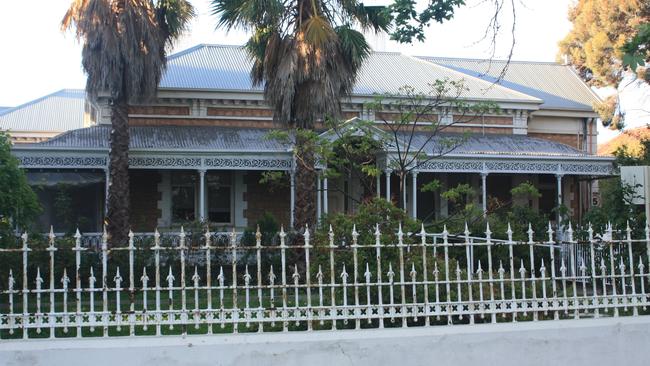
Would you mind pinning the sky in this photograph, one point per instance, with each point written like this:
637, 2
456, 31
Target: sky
38, 58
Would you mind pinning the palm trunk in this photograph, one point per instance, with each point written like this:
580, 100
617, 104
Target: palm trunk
305, 209
118, 191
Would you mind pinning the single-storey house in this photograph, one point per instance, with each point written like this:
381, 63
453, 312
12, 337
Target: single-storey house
198, 152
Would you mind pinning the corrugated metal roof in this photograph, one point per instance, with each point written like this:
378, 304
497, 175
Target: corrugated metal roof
171, 138
492, 144
225, 139
56, 112
217, 67
557, 85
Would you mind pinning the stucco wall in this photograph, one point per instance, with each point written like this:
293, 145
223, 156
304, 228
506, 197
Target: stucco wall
620, 341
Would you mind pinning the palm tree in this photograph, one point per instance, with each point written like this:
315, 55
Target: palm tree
124, 56
307, 54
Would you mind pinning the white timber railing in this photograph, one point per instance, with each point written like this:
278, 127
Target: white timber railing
308, 281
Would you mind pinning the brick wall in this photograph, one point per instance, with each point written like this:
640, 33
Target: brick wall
349, 115
573, 140
160, 110
263, 198
240, 112
488, 120
395, 116
479, 130
201, 122
144, 199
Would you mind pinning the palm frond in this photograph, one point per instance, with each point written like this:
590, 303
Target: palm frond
317, 31
247, 14
353, 46
173, 17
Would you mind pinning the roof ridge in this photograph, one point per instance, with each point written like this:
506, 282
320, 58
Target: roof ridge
550, 63
37, 100
482, 81
200, 46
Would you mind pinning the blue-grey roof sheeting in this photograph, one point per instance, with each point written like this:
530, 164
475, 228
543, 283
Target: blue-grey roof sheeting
492, 144
227, 68
56, 112
557, 85
4, 109
172, 138
223, 139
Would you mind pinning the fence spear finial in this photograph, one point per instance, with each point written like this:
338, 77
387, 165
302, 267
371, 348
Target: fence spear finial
170, 277
488, 232
131, 244
196, 278
118, 277
445, 234
400, 234
366, 274
104, 236
144, 277
628, 231
51, 235
38, 281
641, 266
423, 235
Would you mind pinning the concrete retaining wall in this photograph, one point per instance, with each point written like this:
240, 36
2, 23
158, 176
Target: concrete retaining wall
620, 341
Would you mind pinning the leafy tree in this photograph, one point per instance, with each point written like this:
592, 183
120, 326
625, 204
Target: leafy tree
307, 54
18, 203
617, 197
598, 43
637, 50
124, 54
416, 116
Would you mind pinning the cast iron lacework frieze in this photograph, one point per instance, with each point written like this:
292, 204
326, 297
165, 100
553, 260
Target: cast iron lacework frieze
176, 162
521, 166
62, 161
593, 168
452, 166
597, 168
250, 163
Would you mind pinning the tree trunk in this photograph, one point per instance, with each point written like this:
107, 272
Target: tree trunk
118, 223
305, 210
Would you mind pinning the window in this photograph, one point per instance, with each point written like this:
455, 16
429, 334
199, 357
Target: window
219, 196
183, 196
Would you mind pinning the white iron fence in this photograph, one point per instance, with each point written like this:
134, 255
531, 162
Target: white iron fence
310, 281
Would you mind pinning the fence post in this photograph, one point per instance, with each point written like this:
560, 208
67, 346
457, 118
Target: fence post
379, 283
51, 317
307, 238
355, 246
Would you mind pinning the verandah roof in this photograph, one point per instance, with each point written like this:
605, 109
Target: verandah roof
226, 139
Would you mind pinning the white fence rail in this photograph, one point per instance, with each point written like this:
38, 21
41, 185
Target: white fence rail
315, 282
